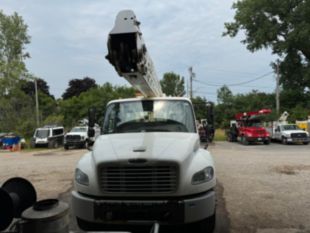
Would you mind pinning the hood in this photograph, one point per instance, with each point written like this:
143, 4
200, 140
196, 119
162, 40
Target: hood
256, 129
154, 146
77, 133
294, 131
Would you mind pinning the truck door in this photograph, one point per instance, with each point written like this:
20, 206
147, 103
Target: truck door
278, 134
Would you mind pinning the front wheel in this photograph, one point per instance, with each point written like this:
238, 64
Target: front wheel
305, 143
86, 144
284, 141
267, 142
244, 141
205, 226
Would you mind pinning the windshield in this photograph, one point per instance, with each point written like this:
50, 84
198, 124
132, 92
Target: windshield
253, 124
42, 133
149, 116
79, 129
290, 127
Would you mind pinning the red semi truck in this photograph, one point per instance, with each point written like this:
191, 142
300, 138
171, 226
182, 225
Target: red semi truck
247, 128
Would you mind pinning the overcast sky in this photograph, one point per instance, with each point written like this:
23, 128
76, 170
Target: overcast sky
68, 41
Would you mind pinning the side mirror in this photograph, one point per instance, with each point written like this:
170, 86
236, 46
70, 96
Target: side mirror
91, 117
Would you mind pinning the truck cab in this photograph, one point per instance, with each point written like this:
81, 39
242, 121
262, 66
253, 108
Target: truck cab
78, 137
147, 166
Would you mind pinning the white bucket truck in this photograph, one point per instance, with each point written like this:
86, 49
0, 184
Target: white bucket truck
147, 167
287, 133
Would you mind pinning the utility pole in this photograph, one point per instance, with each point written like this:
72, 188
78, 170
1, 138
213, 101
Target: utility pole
278, 89
191, 77
37, 102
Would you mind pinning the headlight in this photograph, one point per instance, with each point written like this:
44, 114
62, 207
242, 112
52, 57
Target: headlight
287, 135
203, 176
250, 135
81, 177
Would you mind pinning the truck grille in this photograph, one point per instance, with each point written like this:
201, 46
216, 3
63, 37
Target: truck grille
73, 138
260, 131
299, 135
138, 178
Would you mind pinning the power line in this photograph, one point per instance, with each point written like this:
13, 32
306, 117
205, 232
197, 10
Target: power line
234, 84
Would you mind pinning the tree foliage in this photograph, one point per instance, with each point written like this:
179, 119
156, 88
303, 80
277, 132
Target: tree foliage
283, 26
200, 107
77, 86
29, 87
172, 84
13, 39
16, 108
76, 108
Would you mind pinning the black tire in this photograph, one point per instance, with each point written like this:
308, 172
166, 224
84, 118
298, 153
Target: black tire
86, 144
32, 144
55, 145
50, 144
66, 147
267, 142
244, 141
305, 143
284, 141
205, 226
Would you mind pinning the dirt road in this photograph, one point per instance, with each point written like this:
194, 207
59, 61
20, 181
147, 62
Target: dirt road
266, 188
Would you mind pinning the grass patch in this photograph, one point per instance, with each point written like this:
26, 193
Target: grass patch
220, 135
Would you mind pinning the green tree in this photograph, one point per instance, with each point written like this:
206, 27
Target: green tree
77, 86
13, 39
76, 108
283, 26
224, 95
16, 108
172, 84
200, 107
16, 113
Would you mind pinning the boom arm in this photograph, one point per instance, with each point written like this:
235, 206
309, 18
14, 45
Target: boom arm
129, 56
251, 115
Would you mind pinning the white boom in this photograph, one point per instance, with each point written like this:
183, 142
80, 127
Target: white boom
129, 56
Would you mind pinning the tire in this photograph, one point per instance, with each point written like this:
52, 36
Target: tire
244, 141
305, 143
86, 144
267, 142
205, 226
55, 145
284, 141
66, 147
50, 144
32, 145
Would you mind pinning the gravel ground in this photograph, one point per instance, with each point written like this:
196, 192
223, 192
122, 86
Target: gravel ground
262, 189
50, 171
266, 187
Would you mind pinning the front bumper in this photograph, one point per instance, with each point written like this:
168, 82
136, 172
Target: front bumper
298, 140
258, 139
74, 143
131, 212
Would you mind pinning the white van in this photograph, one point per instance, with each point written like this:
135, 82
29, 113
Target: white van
50, 136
